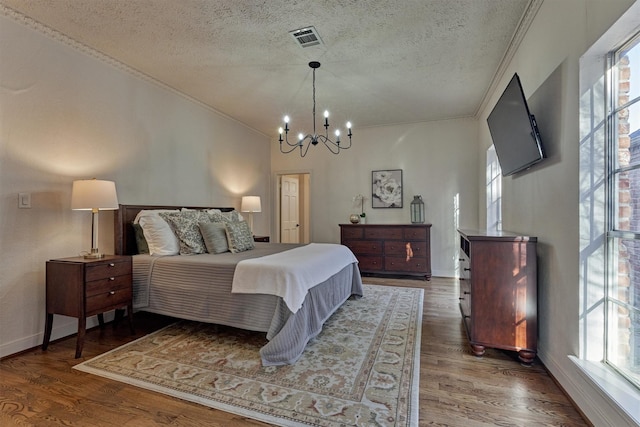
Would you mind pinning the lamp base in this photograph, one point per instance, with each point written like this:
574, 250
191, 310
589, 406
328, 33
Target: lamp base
94, 254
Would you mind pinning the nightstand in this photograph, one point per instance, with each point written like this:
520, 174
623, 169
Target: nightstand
80, 287
261, 239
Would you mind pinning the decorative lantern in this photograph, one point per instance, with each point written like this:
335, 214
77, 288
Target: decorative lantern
417, 210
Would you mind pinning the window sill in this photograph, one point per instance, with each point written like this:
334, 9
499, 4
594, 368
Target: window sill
618, 390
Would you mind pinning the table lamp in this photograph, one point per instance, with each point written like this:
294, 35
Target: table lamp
94, 195
250, 204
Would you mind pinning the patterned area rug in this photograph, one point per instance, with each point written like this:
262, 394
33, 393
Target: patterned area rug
362, 370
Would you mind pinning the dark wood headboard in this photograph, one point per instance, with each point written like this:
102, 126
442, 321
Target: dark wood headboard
124, 236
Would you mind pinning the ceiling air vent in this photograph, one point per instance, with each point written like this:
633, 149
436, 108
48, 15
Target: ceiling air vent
306, 37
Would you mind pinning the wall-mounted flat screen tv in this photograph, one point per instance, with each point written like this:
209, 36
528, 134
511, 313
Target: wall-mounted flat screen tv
514, 130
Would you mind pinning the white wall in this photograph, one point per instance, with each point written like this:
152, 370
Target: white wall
544, 201
67, 115
439, 162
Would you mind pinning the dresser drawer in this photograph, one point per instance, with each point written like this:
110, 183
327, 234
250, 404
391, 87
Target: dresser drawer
352, 233
105, 301
383, 233
364, 247
465, 297
414, 265
108, 269
370, 263
400, 248
105, 285
415, 233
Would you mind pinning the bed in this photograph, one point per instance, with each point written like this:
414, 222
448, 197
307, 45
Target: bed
198, 287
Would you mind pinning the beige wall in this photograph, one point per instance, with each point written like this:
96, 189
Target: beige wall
544, 201
439, 162
66, 115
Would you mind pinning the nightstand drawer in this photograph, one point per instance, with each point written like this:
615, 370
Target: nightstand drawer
108, 284
108, 269
108, 300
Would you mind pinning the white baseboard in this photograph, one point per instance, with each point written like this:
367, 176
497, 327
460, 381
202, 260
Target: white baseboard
598, 405
63, 326
444, 273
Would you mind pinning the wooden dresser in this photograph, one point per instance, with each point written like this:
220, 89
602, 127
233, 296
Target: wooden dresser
498, 291
402, 249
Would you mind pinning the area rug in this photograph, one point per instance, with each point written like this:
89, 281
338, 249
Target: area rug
361, 370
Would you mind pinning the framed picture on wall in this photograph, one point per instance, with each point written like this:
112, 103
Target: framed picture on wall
386, 188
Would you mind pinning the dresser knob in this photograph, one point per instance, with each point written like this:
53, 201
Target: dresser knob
111, 264
112, 292
112, 278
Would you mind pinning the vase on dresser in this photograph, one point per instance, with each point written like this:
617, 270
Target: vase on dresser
354, 218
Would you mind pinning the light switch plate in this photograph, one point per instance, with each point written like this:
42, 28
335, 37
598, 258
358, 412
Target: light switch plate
24, 200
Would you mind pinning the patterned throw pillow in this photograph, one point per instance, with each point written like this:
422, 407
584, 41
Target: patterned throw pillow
215, 237
239, 236
217, 215
185, 226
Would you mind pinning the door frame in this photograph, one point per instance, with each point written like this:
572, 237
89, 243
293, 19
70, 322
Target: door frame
305, 215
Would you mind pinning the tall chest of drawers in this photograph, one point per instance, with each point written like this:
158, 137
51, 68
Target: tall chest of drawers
498, 291
401, 249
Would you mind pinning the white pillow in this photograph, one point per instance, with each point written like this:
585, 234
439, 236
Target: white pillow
160, 238
147, 212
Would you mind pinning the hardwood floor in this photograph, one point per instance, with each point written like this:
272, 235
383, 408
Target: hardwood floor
456, 388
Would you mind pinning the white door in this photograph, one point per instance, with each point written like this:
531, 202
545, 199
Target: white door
289, 202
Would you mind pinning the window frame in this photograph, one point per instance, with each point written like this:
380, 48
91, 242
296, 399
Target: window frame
615, 235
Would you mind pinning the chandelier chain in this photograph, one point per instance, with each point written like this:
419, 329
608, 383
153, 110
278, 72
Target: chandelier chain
314, 102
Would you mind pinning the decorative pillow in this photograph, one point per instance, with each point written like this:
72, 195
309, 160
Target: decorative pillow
157, 232
239, 236
185, 226
141, 242
215, 237
217, 215
151, 212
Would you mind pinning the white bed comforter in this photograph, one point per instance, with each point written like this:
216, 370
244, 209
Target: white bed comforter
292, 273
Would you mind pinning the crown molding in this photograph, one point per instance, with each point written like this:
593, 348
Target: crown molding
521, 30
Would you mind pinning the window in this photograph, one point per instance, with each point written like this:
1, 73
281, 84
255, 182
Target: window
622, 308
494, 191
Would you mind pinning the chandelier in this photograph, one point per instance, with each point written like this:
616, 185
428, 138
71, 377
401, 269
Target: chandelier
304, 142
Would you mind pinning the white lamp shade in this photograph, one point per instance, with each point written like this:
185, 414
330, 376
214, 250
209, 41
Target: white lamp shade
250, 204
89, 194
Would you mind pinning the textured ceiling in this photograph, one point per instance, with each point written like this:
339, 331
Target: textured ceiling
383, 61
